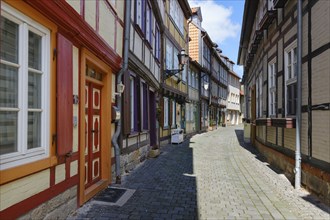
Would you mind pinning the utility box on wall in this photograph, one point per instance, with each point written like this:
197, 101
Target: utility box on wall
115, 115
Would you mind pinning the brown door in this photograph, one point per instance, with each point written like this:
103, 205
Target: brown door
93, 133
253, 115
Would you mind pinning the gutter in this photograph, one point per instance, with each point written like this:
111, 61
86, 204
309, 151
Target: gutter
119, 81
297, 169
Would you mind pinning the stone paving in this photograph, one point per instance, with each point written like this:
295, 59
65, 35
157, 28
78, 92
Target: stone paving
213, 175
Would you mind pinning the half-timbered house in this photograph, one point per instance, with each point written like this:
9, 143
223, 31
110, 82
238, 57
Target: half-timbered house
285, 51
174, 83
142, 83
59, 60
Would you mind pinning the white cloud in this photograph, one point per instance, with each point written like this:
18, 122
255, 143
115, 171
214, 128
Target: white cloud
238, 70
217, 20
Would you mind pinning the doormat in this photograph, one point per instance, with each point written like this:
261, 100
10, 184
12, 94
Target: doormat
110, 195
113, 196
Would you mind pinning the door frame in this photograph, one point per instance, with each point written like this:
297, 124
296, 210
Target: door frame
106, 99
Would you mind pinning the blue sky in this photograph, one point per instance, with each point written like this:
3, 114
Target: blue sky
222, 19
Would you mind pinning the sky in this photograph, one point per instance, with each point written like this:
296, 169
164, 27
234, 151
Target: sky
222, 19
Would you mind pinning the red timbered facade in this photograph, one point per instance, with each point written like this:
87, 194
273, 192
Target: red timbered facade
59, 61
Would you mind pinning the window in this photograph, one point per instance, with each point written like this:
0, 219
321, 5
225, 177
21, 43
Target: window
169, 55
192, 79
195, 81
139, 104
133, 105
291, 79
143, 18
157, 43
24, 86
166, 112
189, 77
139, 18
206, 56
259, 96
172, 62
148, 30
173, 114
177, 14
271, 89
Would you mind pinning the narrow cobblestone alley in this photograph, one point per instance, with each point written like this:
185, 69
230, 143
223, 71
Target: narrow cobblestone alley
213, 175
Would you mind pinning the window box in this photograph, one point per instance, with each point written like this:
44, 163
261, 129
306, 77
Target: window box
267, 19
284, 122
264, 121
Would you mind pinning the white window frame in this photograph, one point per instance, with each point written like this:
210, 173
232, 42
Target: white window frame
139, 11
290, 76
177, 15
272, 88
148, 22
169, 55
24, 155
166, 112
259, 95
173, 114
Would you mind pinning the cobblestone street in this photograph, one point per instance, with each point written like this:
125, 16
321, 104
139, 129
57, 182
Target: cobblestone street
213, 175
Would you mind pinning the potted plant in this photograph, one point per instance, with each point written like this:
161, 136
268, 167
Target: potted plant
154, 151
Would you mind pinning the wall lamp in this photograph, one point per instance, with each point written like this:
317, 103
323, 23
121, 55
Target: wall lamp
205, 83
183, 58
120, 89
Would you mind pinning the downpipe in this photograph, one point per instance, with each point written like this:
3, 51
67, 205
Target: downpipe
297, 169
119, 81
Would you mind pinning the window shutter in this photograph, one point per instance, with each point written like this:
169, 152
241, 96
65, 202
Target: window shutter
64, 96
171, 113
126, 105
138, 104
161, 117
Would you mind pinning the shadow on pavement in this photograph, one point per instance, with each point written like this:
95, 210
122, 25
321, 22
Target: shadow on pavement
165, 188
310, 198
314, 200
240, 137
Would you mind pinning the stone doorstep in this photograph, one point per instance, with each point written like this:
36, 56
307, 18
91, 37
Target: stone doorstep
120, 202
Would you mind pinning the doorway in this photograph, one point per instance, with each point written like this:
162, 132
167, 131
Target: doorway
92, 133
152, 125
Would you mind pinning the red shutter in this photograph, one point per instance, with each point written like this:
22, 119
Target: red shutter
64, 96
126, 105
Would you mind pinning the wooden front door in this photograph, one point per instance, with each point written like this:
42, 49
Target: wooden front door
152, 126
92, 133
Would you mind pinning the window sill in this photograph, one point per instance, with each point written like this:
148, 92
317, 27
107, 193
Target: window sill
139, 30
144, 131
133, 134
26, 169
147, 43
